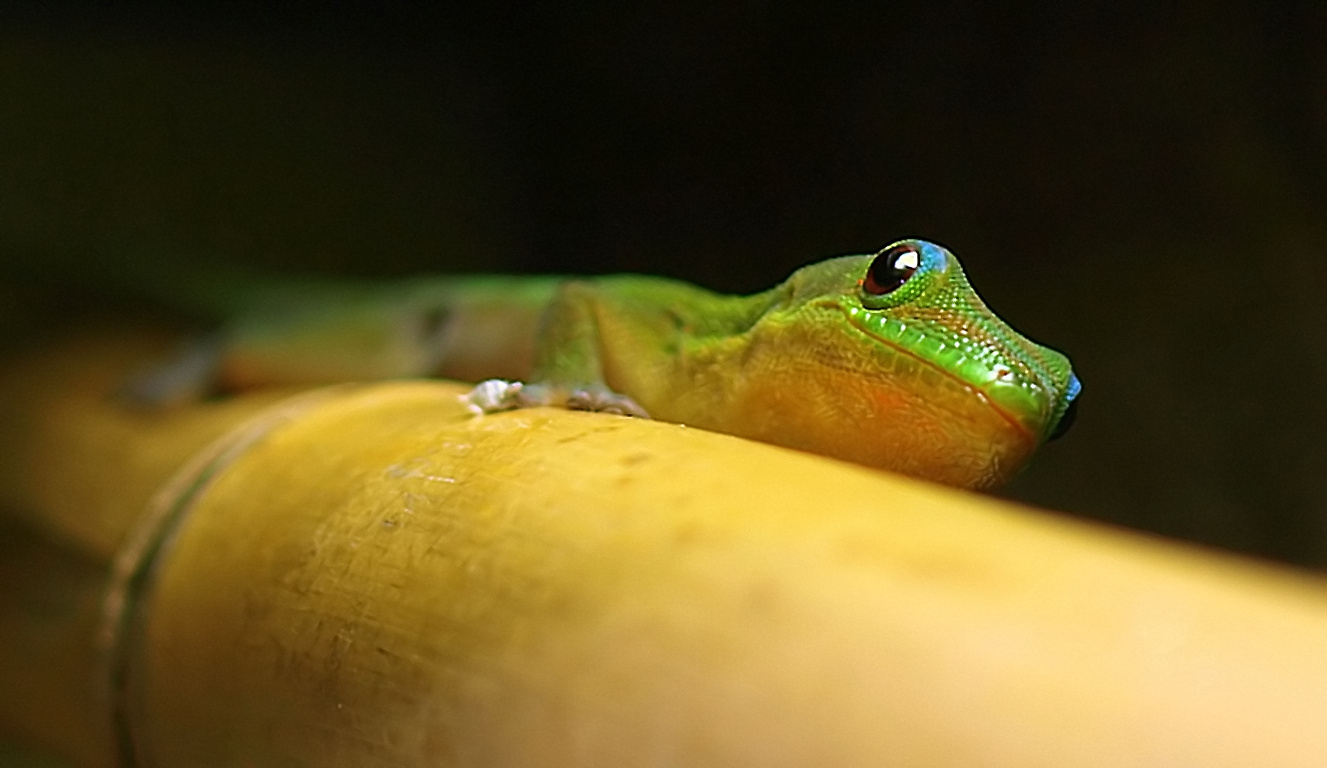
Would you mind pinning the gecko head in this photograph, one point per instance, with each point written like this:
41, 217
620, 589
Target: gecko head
931, 341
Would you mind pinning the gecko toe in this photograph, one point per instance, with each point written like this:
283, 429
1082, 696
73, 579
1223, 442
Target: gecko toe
188, 375
603, 400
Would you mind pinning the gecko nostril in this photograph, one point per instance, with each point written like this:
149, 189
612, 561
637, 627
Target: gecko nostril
1066, 421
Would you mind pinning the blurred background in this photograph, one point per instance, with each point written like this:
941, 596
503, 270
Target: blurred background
1145, 189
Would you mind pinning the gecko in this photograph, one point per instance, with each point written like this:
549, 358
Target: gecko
888, 359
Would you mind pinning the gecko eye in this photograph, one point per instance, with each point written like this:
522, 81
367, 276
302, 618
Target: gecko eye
891, 269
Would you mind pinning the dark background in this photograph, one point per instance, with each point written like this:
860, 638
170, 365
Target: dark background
1144, 189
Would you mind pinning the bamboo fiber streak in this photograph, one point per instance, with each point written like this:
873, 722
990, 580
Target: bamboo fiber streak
367, 576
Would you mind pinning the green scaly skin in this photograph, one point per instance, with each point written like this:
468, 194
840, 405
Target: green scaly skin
889, 360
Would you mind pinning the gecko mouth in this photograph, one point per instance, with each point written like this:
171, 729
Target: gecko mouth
948, 359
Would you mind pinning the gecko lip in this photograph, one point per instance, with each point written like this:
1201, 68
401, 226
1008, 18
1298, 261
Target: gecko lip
877, 327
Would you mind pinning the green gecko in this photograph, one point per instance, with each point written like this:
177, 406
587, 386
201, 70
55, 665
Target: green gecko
890, 360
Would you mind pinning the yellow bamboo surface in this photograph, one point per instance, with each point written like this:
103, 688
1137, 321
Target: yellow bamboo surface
368, 576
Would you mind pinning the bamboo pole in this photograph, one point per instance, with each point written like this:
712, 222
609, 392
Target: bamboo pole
367, 576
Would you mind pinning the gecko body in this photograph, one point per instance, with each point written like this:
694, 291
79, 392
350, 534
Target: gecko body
888, 359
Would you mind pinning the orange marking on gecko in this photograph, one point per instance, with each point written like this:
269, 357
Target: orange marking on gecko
1013, 422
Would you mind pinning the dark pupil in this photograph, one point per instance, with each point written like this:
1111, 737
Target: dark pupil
890, 270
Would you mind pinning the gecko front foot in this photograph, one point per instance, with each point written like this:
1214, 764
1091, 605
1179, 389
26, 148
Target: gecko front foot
502, 395
604, 400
